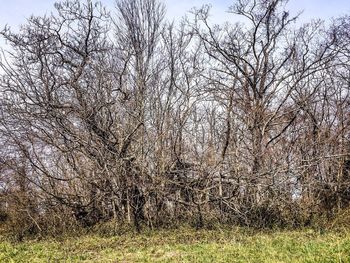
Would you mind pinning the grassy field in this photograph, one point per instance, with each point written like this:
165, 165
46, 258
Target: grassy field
187, 245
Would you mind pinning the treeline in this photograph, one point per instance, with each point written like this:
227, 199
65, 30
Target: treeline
124, 116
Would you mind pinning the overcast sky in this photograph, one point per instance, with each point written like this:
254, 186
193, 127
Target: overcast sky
14, 12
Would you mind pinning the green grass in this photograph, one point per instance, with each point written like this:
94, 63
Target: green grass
187, 245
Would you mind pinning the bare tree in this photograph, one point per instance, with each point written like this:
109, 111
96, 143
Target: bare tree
125, 116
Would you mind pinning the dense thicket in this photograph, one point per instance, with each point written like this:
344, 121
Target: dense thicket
124, 116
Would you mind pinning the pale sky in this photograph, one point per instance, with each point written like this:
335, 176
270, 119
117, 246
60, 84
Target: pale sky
15, 12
